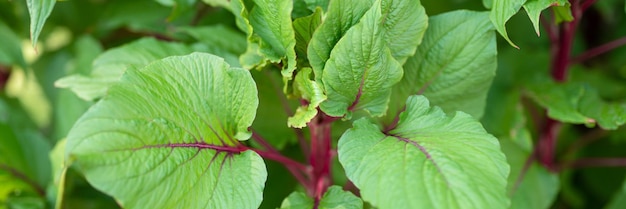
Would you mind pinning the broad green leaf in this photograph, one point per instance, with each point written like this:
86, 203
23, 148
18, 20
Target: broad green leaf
59, 171
341, 16
11, 50
501, 12
109, 66
534, 8
167, 136
577, 104
427, 161
360, 78
304, 28
334, 198
619, 199
39, 10
404, 23
252, 57
310, 91
271, 20
453, 67
532, 186
312, 4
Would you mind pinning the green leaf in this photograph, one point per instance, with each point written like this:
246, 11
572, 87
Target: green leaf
562, 14
218, 3
212, 41
310, 91
487, 3
334, 198
361, 77
271, 20
11, 50
304, 28
313, 4
39, 10
577, 104
453, 67
167, 136
341, 16
404, 25
501, 12
109, 66
534, 8
427, 161
530, 186
619, 199
608, 115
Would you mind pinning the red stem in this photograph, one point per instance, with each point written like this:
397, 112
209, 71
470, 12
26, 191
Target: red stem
297, 169
597, 162
599, 50
321, 154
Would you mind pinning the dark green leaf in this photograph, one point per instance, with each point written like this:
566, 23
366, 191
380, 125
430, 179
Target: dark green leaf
175, 123
427, 161
304, 28
312, 4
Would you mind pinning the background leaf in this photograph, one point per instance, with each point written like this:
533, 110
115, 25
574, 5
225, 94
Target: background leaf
176, 123
453, 67
39, 11
440, 151
334, 198
109, 66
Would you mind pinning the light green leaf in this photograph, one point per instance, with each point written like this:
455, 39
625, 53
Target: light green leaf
312, 4
532, 186
341, 16
501, 12
271, 20
360, 78
304, 28
218, 3
167, 136
453, 67
11, 50
109, 66
334, 198
39, 10
577, 104
427, 161
59, 170
312, 92
534, 8
404, 25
